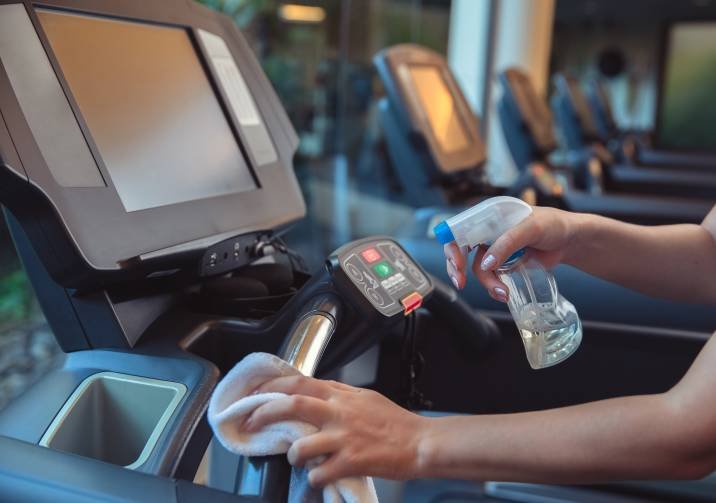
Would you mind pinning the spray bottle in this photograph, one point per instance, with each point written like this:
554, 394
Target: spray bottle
548, 323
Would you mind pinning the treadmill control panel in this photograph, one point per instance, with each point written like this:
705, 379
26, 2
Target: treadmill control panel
385, 275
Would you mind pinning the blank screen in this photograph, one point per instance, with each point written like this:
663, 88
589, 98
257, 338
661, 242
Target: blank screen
439, 106
687, 115
150, 109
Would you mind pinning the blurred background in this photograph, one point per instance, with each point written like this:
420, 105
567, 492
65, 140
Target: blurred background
655, 61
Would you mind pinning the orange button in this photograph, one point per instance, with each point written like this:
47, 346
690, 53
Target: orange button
412, 302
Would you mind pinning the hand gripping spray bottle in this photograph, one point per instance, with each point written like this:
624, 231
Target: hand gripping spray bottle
548, 323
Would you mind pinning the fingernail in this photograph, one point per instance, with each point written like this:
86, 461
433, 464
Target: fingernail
500, 294
450, 259
248, 425
487, 262
454, 282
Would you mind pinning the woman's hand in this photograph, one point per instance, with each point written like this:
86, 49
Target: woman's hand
548, 232
360, 432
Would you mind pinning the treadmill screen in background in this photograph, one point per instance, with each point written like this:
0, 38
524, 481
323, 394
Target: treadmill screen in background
687, 115
439, 106
150, 109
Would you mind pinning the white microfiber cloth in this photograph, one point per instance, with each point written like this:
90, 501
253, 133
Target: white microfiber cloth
231, 403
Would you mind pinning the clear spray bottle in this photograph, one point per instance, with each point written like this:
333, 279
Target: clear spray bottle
547, 322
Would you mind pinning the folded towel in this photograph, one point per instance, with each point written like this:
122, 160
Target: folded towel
231, 403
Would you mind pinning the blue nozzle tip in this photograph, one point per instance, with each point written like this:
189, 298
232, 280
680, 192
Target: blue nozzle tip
443, 233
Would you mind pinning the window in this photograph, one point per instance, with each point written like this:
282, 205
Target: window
319, 59
27, 346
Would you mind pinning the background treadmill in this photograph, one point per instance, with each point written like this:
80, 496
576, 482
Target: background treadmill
635, 147
528, 128
432, 137
417, 154
579, 130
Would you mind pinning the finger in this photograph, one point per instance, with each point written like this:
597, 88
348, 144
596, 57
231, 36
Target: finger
331, 470
454, 255
310, 447
298, 385
496, 288
342, 386
520, 236
458, 278
292, 408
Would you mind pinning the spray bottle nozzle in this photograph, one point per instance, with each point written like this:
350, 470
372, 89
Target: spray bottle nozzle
483, 223
443, 233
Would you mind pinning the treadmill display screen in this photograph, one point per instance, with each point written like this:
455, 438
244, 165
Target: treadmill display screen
439, 106
687, 116
150, 109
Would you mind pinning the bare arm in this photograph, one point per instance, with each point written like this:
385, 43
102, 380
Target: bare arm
668, 435
676, 262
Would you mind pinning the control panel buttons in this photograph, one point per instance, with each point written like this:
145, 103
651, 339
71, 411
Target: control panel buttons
386, 276
354, 272
383, 270
371, 255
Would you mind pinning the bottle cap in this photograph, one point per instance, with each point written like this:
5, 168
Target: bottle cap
443, 233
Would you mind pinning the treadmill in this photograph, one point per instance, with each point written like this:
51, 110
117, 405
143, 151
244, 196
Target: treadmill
432, 136
146, 178
580, 132
527, 125
636, 147
146, 169
418, 157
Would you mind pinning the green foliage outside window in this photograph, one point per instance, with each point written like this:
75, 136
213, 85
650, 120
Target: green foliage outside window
17, 300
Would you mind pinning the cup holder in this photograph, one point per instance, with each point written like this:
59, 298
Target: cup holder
116, 418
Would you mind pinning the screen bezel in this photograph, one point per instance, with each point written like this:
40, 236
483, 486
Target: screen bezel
426, 114
234, 129
540, 129
85, 212
583, 114
399, 59
663, 52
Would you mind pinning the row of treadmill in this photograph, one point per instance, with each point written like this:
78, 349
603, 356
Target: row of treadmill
438, 156
146, 177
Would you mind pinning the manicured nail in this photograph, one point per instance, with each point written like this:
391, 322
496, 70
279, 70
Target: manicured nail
454, 282
452, 261
500, 294
487, 262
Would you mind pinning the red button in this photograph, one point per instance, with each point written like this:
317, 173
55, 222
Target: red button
370, 255
412, 302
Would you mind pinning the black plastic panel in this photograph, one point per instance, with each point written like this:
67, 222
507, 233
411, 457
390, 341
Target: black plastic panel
88, 234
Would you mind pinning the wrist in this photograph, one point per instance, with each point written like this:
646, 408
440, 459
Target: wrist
425, 449
580, 230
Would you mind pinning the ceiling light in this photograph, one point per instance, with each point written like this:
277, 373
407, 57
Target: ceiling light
295, 13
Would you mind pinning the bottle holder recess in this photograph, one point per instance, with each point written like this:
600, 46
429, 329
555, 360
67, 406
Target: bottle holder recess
116, 418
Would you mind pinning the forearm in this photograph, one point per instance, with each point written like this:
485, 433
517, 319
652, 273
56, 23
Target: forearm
674, 262
624, 438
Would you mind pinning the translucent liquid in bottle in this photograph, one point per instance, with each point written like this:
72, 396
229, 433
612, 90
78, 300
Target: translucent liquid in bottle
548, 323
548, 338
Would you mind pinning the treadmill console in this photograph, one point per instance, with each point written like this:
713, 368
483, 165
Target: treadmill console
423, 93
384, 275
134, 137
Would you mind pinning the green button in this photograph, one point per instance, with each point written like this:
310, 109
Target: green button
383, 269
